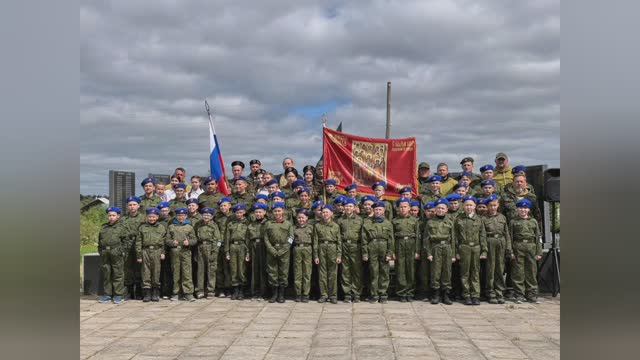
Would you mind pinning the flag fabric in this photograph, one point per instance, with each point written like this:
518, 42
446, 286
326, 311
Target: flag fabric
353, 159
216, 163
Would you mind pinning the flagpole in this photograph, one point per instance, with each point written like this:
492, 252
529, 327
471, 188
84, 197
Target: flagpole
324, 167
206, 106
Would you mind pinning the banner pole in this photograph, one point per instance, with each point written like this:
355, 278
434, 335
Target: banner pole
324, 188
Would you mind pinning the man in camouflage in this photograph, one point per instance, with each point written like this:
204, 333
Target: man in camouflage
211, 196
424, 172
149, 199
150, 252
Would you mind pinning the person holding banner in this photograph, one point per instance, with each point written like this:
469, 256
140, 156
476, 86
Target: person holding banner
377, 250
327, 253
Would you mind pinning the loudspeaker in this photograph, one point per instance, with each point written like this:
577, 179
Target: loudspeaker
552, 185
93, 279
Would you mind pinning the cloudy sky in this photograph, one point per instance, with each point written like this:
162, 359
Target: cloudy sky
468, 78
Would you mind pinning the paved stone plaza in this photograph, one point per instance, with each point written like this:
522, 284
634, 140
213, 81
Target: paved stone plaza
226, 329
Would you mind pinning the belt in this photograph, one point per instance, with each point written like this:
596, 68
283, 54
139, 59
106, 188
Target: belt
372, 240
349, 241
442, 242
524, 240
206, 242
152, 247
404, 237
109, 247
302, 245
256, 240
236, 242
471, 244
494, 235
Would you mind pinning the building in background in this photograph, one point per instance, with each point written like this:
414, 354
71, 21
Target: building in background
162, 179
122, 184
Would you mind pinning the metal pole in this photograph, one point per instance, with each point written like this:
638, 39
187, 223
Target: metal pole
388, 133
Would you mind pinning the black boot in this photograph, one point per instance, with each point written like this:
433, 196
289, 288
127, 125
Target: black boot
240, 295
129, 293
435, 299
155, 294
281, 294
139, 292
274, 294
234, 295
445, 298
147, 295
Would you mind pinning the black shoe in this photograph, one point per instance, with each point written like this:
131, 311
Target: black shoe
475, 301
403, 299
274, 296
468, 301
139, 291
372, 299
234, 295
500, 301
347, 298
435, 299
409, 298
334, 300
323, 299
356, 299
155, 295
240, 295
445, 299
304, 299
297, 298
493, 300
147, 295
281, 294
383, 299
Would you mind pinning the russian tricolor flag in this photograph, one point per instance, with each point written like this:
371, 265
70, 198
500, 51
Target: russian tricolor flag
215, 161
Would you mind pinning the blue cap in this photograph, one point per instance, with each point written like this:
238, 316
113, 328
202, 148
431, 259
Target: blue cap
519, 168
153, 210
486, 168
317, 204
192, 201
263, 197
208, 210
403, 200
302, 211
208, 179
470, 198
378, 204
182, 186
369, 198
454, 197
351, 187
442, 201
224, 200
134, 199
433, 178
239, 207
271, 182
414, 203
297, 183
304, 190
329, 207
405, 190
278, 205
279, 194
182, 211
148, 180
524, 203
339, 200
260, 206
330, 182
487, 183
491, 198
114, 209
239, 179
467, 174
379, 183
348, 200
429, 205
164, 204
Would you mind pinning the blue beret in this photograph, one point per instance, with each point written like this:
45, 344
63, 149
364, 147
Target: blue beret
458, 186
339, 200
260, 206
224, 200
442, 201
148, 180
316, 204
351, 187
405, 189
241, 178
302, 211
433, 178
330, 182
519, 168
491, 198
304, 190
453, 197
114, 209
278, 205
297, 183
153, 210
470, 198
329, 207
263, 197
379, 183
526, 203
134, 199
182, 211
192, 201
467, 174
208, 210
369, 198
429, 205
487, 183
403, 200
378, 204
208, 179
486, 168
239, 207
279, 194
164, 204
182, 186
349, 200
414, 203
271, 182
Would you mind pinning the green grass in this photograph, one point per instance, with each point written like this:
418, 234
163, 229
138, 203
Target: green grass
88, 249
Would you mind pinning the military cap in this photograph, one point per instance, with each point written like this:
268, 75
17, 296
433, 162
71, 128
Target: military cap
524, 203
442, 201
238, 163
414, 203
133, 199
260, 206
304, 189
114, 209
297, 183
351, 187
330, 182
454, 197
378, 204
255, 161
339, 200
429, 205
379, 183
348, 200
224, 200
467, 159
262, 196
491, 198
405, 190
153, 210
278, 205
208, 210
489, 182
181, 211
302, 211
368, 198
271, 182
164, 204
239, 207
481, 201
458, 186
501, 155
470, 198
209, 179
148, 180
182, 186
329, 207
317, 204
403, 200
279, 194
433, 178
466, 174
424, 165
487, 168
519, 168
241, 178
192, 201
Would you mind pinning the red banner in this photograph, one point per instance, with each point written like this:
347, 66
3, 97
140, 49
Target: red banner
353, 159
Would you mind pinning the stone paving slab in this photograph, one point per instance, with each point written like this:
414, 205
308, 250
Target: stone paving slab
251, 329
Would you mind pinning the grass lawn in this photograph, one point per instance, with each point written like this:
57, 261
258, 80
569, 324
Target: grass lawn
88, 249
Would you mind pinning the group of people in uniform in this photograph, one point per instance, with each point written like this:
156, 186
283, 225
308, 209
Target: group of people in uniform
274, 229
